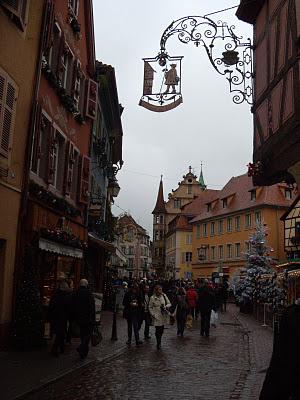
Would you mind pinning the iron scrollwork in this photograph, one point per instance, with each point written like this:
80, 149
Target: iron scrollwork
212, 35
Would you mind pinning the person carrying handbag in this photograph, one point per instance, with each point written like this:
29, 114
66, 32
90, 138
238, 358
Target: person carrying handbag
158, 306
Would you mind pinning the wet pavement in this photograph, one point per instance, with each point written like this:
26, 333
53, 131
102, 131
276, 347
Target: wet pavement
217, 368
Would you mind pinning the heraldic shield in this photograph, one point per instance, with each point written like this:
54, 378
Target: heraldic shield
162, 83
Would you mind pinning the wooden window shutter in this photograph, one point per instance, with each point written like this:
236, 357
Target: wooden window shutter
49, 20
36, 150
91, 100
18, 9
69, 168
8, 97
84, 179
51, 156
62, 45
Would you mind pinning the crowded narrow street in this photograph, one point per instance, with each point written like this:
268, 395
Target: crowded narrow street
230, 364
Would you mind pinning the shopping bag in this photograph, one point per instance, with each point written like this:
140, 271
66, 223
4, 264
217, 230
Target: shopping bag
96, 336
189, 321
214, 317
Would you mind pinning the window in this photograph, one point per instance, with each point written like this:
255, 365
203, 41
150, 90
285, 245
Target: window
188, 239
288, 194
229, 251
77, 82
213, 253
130, 234
156, 252
248, 220
205, 230
17, 10
247, 247
131, 250
198, 231
238, 250
202, 253
41, 139
52, 56
224, 203
130, 262
208, 207
188, 256
220, 227
74, 6
123, 248
297, 229
257, 216
238, 223
156, 219
229, 224
161, 219
221, 252
212, 228
8, 96
66, 71
190, 189
74, 186
253, 195
59, 161
177, 203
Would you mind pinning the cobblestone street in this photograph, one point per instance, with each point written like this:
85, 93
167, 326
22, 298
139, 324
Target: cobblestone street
228, 365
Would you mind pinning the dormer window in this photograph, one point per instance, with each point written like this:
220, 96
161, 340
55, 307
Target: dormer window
288, 194
224, 203
208, 207
253, 195
177, 203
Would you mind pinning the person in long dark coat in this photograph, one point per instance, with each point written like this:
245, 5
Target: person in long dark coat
84, 315
182, 309
206, 303
58, 314
282, 378
132, 312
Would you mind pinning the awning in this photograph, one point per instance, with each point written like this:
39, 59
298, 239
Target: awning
59, 248
101, 243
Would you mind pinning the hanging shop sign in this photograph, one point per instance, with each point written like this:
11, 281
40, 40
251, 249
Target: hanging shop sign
162, 83
59, 248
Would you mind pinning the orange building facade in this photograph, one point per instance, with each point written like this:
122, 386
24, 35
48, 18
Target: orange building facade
222, 229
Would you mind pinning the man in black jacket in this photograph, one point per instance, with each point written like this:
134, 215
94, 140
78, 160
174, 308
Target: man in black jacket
84, 311
282, 378
206, 303
132, 303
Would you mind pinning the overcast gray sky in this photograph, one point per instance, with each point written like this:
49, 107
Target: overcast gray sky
207, 127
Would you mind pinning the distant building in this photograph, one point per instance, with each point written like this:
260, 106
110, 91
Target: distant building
134, 242
164, 212
222, 229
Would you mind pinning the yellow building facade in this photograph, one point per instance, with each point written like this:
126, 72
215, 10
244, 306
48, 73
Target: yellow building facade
222, 230
20, 25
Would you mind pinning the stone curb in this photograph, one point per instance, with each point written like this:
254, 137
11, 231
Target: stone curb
47, 382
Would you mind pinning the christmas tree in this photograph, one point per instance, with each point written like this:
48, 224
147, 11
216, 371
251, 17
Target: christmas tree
251, 287
28, 329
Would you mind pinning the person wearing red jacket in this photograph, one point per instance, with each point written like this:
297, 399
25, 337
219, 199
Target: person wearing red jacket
192, 297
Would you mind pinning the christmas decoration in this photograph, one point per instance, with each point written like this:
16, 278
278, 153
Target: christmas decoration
52, 201
61, 236
253, 287
28, 328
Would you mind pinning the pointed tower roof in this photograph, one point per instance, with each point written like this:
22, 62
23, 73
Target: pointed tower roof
201, 180
160, 202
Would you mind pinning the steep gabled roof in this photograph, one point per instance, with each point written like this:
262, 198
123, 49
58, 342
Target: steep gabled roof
239, 188
160, 207
194, 207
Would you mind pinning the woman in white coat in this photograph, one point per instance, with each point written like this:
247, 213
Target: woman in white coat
158, 308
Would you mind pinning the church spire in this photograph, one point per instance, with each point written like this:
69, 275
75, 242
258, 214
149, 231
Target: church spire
160, 203
201, 180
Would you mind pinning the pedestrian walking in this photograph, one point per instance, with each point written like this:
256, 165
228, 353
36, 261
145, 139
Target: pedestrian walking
146, 316
158, 307
192, 298
282, 378
132, 303
181, 309
58, 317
206, 303
84, 314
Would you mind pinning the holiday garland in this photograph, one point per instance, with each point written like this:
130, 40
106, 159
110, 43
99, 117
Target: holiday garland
57, 203
64, 237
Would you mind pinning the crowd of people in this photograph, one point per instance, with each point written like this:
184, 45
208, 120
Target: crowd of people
159, 303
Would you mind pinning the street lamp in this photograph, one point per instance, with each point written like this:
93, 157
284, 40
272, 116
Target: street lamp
234, 61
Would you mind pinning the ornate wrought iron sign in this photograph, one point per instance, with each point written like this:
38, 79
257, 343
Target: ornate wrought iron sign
162, 83
227, 53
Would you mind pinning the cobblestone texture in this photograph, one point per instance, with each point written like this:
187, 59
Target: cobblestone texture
227, 366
